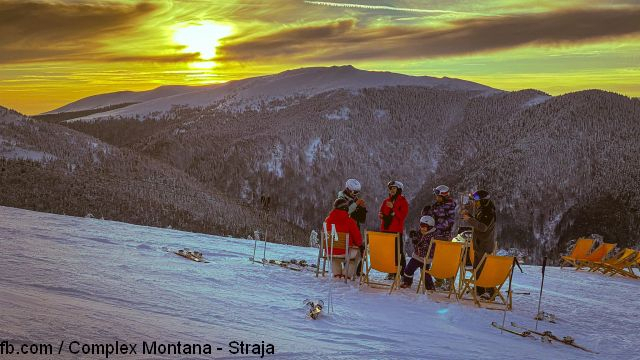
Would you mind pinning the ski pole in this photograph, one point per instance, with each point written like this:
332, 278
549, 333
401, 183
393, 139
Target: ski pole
265, 212
333, 233
509, 300
255, 245
544, 265
264, 254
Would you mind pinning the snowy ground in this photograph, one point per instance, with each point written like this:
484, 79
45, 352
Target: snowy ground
92, 281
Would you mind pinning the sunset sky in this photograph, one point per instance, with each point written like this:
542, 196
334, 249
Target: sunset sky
55, 52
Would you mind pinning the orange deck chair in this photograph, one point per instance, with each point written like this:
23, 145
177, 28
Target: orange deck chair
333, 240
382, 253
580, 252
617, 260
444, 265
495, 272
626, 267
599, 254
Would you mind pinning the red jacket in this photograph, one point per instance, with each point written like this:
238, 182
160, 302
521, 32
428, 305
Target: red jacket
345, 224
400, 210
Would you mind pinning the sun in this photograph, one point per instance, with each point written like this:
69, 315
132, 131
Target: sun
202, 37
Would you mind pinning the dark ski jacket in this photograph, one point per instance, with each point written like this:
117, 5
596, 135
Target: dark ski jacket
356, 212
393, 219
422, 245
484, 227
444, 214
345, 224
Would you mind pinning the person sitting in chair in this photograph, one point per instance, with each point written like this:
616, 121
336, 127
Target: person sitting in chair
339, 217
421, 246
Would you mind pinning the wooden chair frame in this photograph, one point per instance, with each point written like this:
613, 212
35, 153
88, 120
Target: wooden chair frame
580, 251
330, 242
436, 260
508, 301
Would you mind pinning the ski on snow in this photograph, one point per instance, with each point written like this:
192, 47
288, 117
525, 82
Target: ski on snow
512, 331
567, 340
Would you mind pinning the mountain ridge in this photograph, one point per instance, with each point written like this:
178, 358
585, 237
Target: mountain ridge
238, 93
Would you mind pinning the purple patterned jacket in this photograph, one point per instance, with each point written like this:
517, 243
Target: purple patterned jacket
422, 245
445, 216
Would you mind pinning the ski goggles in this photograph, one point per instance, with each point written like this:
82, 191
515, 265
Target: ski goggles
355, 192
475, 196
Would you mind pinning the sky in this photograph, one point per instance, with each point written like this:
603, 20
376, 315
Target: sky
53, 52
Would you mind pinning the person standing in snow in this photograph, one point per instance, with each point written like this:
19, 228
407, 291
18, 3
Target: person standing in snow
421, 246
393, 213
484, 226
357, 208
443, 211
339, 217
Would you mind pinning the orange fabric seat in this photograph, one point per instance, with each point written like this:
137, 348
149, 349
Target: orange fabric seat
382, 253
496, 270
445, 263
580, 252
597, 255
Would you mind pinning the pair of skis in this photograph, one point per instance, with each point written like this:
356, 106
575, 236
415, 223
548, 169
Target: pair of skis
292, 265
546, 336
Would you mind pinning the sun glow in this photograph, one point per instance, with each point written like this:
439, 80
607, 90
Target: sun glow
201, 38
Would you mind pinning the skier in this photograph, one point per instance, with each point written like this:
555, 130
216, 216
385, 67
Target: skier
357, 206
393, 212
339, 217
421, 245
443, 211
484, 225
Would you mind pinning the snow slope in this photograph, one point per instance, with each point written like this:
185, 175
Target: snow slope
95, 281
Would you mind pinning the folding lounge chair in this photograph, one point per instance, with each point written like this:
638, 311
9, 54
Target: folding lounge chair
322, 251
580, 252
599, 254
330, 241
626, 267
382, 253
616, 261
496, 270
466, 272
444, 265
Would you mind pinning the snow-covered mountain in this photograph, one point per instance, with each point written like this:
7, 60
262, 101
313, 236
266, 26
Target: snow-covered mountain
97, 282
9, 116
249, 92
558, 167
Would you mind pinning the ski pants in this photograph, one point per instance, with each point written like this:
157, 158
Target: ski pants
403, 260
354, 259
476, 261
410, 269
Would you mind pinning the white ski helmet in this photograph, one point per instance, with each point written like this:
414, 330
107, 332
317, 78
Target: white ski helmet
442, 190
395, 183
352, 184
428, 220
